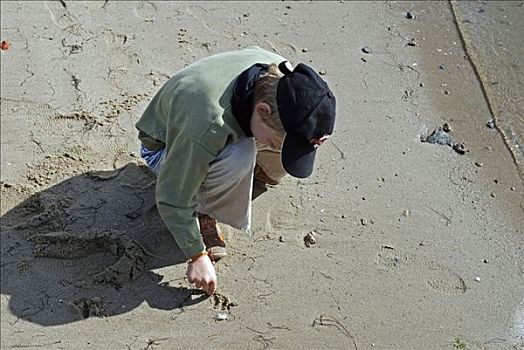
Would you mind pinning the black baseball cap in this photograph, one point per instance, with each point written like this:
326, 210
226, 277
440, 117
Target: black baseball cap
306, 107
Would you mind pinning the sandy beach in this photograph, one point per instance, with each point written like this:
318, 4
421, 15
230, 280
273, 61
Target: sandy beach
416, 245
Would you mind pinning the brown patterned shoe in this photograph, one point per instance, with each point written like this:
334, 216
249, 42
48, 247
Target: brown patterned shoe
213, 238
261, 176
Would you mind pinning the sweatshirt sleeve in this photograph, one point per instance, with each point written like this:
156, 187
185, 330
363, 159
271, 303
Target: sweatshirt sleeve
178, 182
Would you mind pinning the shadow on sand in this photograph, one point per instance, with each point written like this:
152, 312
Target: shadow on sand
87, 246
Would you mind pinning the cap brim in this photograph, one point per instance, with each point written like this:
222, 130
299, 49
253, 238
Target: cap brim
298, 158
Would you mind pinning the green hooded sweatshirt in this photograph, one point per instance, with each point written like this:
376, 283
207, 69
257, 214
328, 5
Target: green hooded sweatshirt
191, 117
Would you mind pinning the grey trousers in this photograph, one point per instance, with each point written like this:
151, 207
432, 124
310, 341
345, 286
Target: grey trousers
226, 191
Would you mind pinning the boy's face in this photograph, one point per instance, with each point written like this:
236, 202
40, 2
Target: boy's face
261, 131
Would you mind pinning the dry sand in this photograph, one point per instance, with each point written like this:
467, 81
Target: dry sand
417, 246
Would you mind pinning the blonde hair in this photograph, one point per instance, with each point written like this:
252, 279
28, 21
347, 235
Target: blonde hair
266, 91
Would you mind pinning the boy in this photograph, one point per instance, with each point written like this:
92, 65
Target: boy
212, 127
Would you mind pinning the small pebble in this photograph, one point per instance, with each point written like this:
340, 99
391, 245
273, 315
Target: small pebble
406, 213
409, 15
364, 221
513, 188
5, 45
304, 49
367, 50
446, 92
309, 240
477, 279
441, 66
485, 261
446, 127
459, 148
343, 216
281, 239
493, 194
412, 42
479, 164
490, 124
322, 72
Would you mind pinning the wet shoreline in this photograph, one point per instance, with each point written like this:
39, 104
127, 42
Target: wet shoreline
494, 52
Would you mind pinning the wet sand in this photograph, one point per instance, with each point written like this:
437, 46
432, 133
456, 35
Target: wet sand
492, 33
415, 245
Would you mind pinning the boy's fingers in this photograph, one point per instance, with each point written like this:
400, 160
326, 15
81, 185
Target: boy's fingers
212, 286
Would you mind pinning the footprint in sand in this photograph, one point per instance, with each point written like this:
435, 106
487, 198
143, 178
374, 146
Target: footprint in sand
278, 220
436, 276
145, 10
114, 39
61, 16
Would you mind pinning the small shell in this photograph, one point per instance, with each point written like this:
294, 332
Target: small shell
221, 316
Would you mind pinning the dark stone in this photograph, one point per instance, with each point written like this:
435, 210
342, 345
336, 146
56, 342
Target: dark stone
366, 49
459, 148
439, 136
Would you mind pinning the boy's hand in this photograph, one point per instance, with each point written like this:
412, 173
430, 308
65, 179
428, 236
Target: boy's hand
202, 273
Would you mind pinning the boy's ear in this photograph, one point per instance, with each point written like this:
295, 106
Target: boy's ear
263, 109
